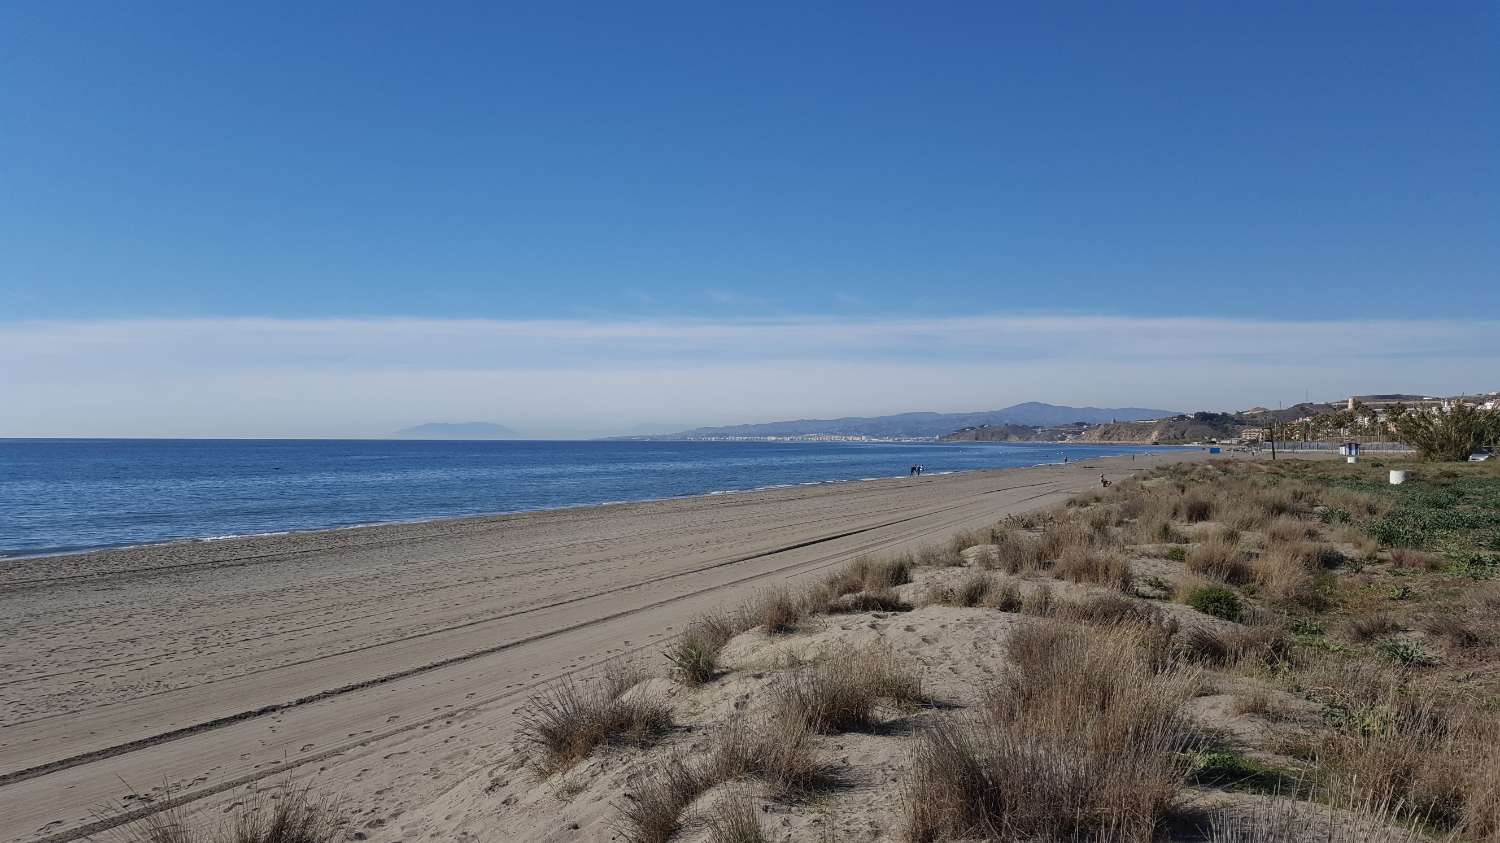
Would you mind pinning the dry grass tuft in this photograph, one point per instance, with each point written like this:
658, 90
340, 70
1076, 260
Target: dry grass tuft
566, 721
287, 814
1287, 529
1283, 819
695, 653
652, 812
1415, 560
778, 750
1364, 628
1287, 577
1109, 610
1100, 566
1004, 595
733, 820
1081, 741
1060, 536
1220, 560
774, 610
940, 556
845, 692
879, 600
1015, 552
1039, 602
1454, 632
1196, 506
972, 591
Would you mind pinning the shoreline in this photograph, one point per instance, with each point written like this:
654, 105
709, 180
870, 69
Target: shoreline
8, 559
221, 664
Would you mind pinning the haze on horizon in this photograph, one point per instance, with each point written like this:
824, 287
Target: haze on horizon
295, 220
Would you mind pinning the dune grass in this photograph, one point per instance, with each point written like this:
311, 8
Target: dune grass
567, 720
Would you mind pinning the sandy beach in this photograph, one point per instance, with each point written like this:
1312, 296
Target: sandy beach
386, 664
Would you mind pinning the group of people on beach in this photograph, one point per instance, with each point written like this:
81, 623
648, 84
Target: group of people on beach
916, 471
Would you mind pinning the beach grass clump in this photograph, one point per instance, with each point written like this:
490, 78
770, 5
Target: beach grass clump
1095, 565
567, 720
775, 610
845, 692
1196, 506
733, 820
1004, 595
1287, 577
1060, 536
1287, 529
285, 814
1368, 627
1219, 559
695, 653
1082, 740
1282, 817
652, 811
969, 592
1013, 552
775, 750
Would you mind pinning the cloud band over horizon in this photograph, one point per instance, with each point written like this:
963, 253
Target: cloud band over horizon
269, 377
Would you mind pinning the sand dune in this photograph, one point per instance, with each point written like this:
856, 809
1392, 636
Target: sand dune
386, 663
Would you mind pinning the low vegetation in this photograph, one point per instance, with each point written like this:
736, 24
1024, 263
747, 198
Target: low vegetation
285, 814
569, 719
1350, 627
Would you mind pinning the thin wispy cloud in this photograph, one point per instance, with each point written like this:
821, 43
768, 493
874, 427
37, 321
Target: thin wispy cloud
251, 376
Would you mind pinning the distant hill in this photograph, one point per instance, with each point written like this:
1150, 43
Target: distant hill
1195, 428
457, 430
997, 433
1031, 414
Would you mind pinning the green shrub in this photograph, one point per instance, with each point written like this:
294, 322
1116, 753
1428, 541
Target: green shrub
1407, 653
1334, 515
1447, 435
1177, 554
1216, 600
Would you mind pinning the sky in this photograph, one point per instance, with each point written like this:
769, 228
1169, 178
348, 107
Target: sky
323, 218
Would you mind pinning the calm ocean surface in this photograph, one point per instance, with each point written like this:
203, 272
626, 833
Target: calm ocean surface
59, 495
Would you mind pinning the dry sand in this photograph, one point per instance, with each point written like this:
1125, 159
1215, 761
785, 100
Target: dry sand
386, 664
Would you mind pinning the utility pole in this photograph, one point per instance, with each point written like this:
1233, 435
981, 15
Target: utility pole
1273, 434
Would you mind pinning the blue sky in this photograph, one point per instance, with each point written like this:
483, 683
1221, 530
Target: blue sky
1279, 164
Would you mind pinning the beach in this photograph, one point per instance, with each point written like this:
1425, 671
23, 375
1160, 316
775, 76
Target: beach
385, 664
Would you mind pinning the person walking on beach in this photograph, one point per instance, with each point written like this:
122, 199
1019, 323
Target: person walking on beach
913, 472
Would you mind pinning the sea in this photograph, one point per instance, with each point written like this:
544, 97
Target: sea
69, 495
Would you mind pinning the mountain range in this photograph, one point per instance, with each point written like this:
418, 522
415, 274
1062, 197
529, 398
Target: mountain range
1031, 413
457, 430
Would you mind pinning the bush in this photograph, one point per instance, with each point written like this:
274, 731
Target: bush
1447, 435
1217, 601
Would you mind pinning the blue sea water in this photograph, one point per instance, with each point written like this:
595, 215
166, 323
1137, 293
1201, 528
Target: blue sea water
60, 495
